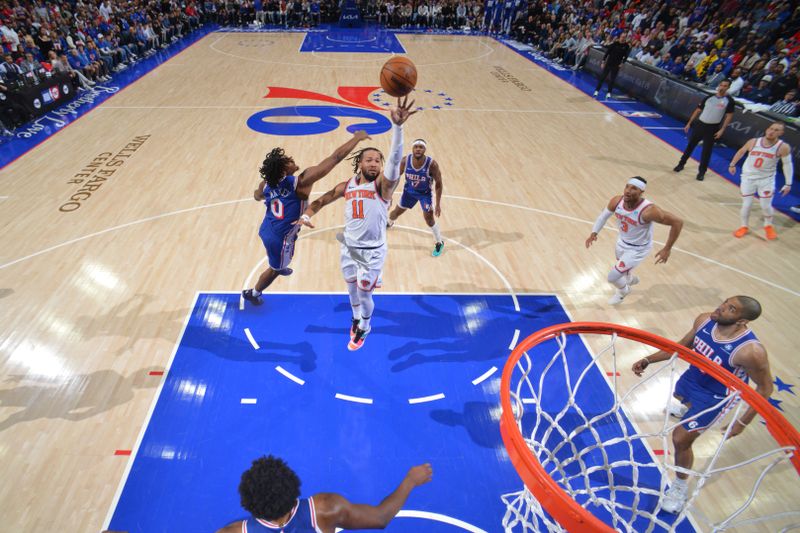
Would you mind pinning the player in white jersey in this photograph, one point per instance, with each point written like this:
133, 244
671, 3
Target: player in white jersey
635, 240
367, 196
758, 175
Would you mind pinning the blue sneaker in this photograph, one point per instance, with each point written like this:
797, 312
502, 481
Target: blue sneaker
252, 298
438, 249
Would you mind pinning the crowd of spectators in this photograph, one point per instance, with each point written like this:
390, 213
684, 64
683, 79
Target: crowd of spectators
88, 41
755, 43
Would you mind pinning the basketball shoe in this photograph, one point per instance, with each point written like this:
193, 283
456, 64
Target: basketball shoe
675, 497
769, 231
438, 249
252, 298
619, 295
354, 328
358, 339
741, 232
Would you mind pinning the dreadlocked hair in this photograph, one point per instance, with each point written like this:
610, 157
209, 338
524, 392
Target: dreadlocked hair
356, 157
274, 167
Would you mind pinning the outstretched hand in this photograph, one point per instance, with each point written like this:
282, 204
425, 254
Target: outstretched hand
591, 239
420, 474
402, 111
663, 255
361, 135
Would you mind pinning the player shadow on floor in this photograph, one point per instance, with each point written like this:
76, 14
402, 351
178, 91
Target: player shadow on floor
5, 293
220, 343
476, 420
131, 315
77, 398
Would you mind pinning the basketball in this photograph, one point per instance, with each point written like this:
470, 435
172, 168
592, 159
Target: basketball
398, 76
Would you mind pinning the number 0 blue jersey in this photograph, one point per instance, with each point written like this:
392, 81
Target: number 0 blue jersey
284, 207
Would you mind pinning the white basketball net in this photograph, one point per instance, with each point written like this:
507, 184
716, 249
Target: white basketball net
614, 476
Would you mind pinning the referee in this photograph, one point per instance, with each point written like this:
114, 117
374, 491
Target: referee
715, 113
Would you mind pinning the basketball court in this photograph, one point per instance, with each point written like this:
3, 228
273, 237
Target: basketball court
136, 388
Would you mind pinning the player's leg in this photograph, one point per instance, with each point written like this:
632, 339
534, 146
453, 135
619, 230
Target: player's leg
349, 272
407, 201
280, 251
426, 204
620, 276
766, 191
367, 278
747, 189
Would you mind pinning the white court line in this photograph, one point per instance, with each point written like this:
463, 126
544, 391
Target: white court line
147, 418
424, 399
249, 401
547, 111
660, 127
251, 339
213, 47
290, 375
436, 517
479, 200
483, 377
464, 246
356, 399
514, 340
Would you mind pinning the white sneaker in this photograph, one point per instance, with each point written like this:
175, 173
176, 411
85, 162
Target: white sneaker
675, 498
608, 96
619, 296
596, 93
676, 409
795, 209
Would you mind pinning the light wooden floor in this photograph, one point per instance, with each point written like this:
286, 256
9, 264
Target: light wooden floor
94, 299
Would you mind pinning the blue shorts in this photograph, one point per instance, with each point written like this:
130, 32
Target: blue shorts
698, 400
280, 248
410, 199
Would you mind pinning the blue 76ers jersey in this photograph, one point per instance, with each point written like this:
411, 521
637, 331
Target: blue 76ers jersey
303, 520
720, 351
284, 207
418, 181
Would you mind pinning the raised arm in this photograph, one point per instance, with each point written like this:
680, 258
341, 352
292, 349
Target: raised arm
334, 511
436, 174
687, 340
656, 214
313, 174
388, 180
753, 358
746, 147
319, 203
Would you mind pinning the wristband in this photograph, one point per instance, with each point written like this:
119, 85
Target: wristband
305, 218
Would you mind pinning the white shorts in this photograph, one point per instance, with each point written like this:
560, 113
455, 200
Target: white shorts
629, 256
363, 266
765, 187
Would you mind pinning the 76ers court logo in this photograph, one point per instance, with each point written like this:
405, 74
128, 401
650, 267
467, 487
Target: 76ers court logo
294, 120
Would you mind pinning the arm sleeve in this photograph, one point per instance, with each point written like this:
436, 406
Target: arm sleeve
395, 154
601, 220
788, 169
702, 103
731, 108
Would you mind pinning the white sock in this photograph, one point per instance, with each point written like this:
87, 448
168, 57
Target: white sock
744, 213
256, 292
437, 234
766, 208
355, 303
680, 483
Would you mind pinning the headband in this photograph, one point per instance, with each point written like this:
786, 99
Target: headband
636, 182
419, 141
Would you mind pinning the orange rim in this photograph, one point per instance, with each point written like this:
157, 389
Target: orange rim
560, 505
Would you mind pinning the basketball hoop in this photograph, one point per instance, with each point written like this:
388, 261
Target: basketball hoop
586, 465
